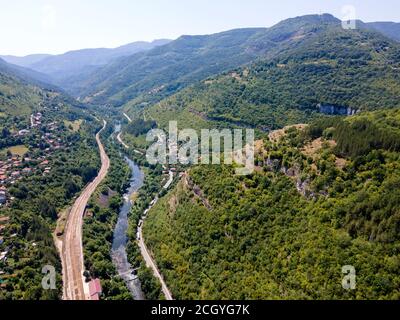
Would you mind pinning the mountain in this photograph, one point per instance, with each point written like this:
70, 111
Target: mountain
26, 74
319, 65
26, 61
287, 230
167, 68
60, 68
146, 77
71, 62
321, 198
21, 92
389, 29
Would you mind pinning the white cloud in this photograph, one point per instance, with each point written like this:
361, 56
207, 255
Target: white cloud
49, 17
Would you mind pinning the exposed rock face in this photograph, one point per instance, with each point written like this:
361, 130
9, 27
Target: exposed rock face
336, 110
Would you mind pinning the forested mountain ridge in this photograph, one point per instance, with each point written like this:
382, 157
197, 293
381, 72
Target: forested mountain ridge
47, 155
311, 207
352, 69
167, 69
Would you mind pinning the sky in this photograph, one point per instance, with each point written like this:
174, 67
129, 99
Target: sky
57, 26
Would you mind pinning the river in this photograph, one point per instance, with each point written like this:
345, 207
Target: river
119, 254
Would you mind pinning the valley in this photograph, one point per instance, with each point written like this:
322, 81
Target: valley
79, 193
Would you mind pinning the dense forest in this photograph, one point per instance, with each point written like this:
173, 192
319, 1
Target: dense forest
286, 231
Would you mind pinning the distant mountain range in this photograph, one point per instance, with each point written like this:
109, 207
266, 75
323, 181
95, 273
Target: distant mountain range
147, 77
59, 68
26, 61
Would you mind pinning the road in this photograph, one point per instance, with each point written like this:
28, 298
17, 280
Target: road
150, 262
75, 287
122, 142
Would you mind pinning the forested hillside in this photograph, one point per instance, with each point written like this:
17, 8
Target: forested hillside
147, 77
352, 69
285, 232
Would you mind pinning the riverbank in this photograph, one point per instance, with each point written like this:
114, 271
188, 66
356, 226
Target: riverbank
119, 247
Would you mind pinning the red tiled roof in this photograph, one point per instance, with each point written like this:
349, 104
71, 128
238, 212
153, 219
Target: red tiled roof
95, 287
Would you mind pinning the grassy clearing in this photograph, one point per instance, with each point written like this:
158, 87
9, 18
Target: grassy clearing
20, 150
74, 126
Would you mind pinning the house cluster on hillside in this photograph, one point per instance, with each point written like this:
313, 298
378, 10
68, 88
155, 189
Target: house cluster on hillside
15, 167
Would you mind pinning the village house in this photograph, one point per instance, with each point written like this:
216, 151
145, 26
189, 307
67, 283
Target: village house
23, 132
15, 174
26, 170
95, 289
45, 163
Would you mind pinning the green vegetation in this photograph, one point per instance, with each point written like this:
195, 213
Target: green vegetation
354, 69
265, 239
73, 125
319, 199
34, 211
368, 131
44, 167
151, 187
20, 150
144, 78
100, 221
140, 127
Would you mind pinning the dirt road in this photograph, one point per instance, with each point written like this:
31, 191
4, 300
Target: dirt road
121, 141
150, 262
152, 265
75, 287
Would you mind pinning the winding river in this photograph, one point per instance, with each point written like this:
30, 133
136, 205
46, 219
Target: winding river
119, 254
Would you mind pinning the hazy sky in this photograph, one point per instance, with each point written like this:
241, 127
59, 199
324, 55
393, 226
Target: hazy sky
56, 26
